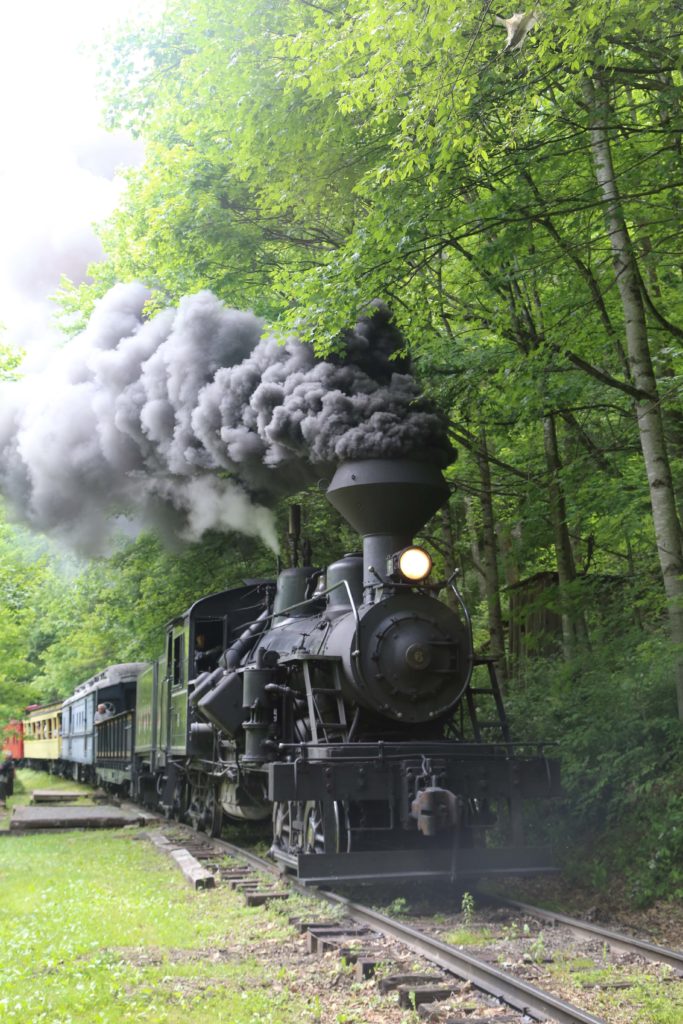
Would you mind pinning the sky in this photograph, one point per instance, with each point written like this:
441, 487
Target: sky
57, 164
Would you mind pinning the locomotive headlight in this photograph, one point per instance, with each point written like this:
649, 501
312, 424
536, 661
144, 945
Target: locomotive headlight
414, 564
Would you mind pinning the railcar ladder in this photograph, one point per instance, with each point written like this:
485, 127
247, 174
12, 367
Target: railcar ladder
492, 690
325, 730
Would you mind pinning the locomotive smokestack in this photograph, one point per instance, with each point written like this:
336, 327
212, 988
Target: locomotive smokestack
387, 501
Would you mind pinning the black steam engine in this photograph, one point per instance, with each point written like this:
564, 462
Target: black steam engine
340, 701
345, 708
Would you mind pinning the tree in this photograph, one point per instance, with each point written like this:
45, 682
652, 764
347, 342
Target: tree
303, 158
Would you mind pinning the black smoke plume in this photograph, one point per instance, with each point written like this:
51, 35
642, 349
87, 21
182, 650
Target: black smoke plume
193, 420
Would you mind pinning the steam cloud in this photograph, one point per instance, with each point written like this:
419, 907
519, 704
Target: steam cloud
193, 421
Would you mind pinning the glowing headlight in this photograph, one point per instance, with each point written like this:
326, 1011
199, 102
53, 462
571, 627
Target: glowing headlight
414, 564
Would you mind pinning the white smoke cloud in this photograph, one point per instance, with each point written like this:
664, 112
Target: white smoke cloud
57, 164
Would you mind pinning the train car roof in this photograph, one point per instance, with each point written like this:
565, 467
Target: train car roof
34, 710
109, 676
205, 603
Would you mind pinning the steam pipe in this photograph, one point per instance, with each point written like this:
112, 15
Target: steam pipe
232, 658
377, 549
245, 641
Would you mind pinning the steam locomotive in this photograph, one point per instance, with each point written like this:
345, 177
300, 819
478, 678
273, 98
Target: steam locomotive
338, 701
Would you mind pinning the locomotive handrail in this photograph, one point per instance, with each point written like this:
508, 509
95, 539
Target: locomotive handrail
110, 718
535, 749
316, 597
345, 583
354, 608
115, 736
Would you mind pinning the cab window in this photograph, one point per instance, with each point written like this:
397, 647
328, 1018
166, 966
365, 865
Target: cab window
177, 660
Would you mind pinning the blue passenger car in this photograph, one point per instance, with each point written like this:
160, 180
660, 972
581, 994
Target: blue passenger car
115, 689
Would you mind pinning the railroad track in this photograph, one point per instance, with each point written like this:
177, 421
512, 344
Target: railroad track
355, 938
588, 930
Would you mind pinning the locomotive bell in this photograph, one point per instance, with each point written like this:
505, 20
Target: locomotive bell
386, 501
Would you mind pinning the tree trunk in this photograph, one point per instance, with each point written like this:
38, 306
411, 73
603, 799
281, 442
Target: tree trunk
573, 624
672, 413
650, 426
489, 560
475, 553
507, 537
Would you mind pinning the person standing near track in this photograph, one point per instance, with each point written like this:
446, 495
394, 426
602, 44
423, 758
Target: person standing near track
6, 779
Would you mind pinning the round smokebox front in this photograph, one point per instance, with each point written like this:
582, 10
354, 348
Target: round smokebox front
414, 661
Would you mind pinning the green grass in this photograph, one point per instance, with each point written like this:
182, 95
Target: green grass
469, 936
98, 928
653, 998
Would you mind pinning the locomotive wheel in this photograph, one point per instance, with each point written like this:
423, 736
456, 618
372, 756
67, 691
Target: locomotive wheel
325, 828
213, 813
196, 808
304, 828
181, 802
286, 835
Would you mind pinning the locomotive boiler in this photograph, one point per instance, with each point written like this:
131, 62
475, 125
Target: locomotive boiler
346, 709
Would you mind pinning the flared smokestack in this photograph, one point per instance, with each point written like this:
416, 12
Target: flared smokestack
387, 501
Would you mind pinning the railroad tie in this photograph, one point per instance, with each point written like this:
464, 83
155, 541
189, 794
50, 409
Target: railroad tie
259, 899
394, 981
196, 875
320, 940
411, 996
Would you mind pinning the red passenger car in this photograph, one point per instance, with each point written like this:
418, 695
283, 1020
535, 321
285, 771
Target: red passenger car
13, 739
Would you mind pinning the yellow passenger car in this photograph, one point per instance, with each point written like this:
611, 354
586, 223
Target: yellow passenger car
42, 735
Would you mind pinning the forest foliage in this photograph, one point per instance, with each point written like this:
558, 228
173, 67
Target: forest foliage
520, 211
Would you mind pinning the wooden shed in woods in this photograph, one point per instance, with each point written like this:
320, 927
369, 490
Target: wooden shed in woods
535, 625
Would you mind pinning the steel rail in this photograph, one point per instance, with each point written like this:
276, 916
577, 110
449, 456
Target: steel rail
584, 929
251, 858
516, 992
